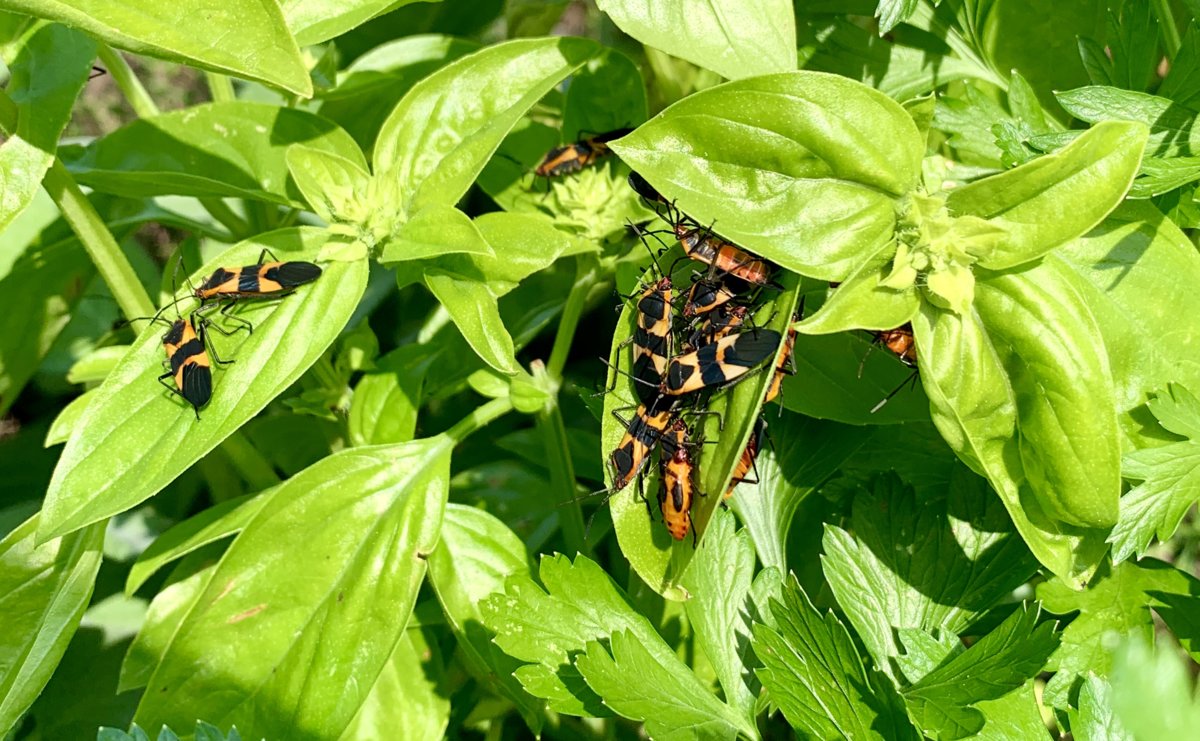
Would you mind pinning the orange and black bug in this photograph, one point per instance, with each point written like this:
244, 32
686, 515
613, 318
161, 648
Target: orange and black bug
718, 323
677, 481
652, 339
901, 343
707, 294
189, 366
719, 363
746, 462
573, 157
785, 367
642, 434
647, 191
269, 280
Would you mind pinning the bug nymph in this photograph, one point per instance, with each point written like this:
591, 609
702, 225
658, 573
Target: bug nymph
677, 481
747, 461
785, 367
642, 434
719, 363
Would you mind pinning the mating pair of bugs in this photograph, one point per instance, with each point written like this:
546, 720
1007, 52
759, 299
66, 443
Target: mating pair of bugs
186, 341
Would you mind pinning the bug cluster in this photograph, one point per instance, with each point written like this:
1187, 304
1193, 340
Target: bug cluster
688, 342
188, 367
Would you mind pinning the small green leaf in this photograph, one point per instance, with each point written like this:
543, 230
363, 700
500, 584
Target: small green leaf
475, 555
668, 697
386, 400
307, 603
65, 423
1054, 198
245, 38
472, 306
233, 149
998, 663
966, 560
332, 184
441, 134
1117, 600
735, 41
314, 21
136, 437
1182, 83
1096, 717
213, 524
96, 365
862, 301
44, 590
1172, 127
799, 168
813, 672
436, 230
405, 701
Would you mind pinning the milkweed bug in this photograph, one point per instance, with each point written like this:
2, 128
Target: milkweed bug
642, 434
747, 461
720, 362
189, 368
652, 338
707, 294
573, 157
269, 280
647, 191
677, 481
717, 324
785, 367
901, 343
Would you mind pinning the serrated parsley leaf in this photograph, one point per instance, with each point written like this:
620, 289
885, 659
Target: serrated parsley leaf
1170, 477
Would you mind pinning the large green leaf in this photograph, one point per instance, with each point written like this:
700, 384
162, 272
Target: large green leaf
734, 39
308, 603
440, 135
1173, 131
50, 67
135, 438
233, 149
1054, 198
474, 556
44, 590
974, 407
245, 38
405, 701
800, 167
314, 21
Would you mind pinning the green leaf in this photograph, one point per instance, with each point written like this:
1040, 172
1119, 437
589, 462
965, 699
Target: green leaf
1172, 127
1117, 600
314, 21
1054, 198
798, 167
668, 697
605, 94
719, 579
308, 602
965, 561
813, 672
170, 605
734, 40
1169, 476
1182, 83
1000, 662
374, 83
135, 438
96, 365
440, 135
472, 306
386, 400
473, 558
244, 38
1133, 44
1153, 693
405, 702
797, 455
861, 301
332, 185
546, 626
974, 407
45, 589
233, 149
1096, 719
50, 67
213, 524
891, 13
438, 229
1045, 338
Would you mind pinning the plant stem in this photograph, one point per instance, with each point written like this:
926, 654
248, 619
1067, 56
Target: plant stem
131, 87
482, 415
1166, 21
251, 465
586, 271
562, 476
116, 271
221, 211
220, 86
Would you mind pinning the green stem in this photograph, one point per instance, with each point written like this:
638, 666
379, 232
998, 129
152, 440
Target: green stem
116, 271
131, 87
562, 476
220, 86
251, 465
482, 415
586, 271
1166, 21
221, 211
